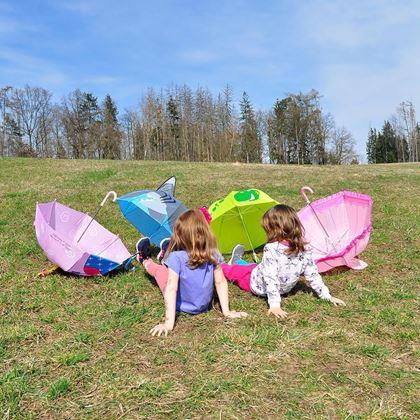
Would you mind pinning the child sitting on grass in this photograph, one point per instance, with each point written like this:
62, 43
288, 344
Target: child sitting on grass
284, 260
190, 271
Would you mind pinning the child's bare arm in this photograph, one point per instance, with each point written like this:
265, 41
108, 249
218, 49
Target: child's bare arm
170, 306
223, 293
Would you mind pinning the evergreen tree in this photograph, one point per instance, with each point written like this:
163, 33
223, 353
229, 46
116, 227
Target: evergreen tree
91, 121
250, 149
371, 145
386, 149
174, 129
111, 134
277, 133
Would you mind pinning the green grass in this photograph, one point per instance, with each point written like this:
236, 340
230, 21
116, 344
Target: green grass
80, 348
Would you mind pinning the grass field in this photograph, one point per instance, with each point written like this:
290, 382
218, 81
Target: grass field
80, 348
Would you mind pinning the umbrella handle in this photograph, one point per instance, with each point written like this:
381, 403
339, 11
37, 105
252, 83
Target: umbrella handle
305, 197
113, 193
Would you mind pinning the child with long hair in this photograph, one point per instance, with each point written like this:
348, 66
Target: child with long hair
190, 270
284, 259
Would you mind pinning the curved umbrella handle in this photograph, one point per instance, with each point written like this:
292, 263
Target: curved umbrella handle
113, 193
305, 197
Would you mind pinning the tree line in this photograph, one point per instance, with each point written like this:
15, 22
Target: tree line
177, 123
398, 140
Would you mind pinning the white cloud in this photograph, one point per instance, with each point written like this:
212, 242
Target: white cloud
20, 68
361, 97
367, 58
355, 24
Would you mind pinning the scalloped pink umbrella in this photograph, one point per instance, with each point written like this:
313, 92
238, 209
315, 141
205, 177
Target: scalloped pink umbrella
337, 228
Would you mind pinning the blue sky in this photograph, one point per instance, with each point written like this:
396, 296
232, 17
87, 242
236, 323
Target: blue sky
363, 56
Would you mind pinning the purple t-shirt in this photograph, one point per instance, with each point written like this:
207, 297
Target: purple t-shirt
196, 285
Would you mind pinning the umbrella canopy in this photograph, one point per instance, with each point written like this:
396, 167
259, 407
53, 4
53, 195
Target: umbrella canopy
236, 219
337, 228
59, 230
153, 212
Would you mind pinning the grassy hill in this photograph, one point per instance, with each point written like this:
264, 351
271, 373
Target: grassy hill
80, 347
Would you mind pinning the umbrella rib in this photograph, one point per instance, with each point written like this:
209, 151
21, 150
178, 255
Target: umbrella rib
246, 230
318, 249
323, 227
116, 238
220, 226
91, 220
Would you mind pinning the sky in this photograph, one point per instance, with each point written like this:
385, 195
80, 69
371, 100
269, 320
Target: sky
362, 56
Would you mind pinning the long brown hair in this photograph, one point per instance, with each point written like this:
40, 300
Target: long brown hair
281, 223
192, 234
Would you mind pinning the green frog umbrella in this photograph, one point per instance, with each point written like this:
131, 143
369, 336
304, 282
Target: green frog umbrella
236, 219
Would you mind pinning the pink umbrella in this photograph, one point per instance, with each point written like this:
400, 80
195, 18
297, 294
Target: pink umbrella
76, 242
337, 228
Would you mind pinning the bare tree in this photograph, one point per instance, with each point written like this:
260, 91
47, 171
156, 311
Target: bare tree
4, 100
342, 147
30, 107
407, 116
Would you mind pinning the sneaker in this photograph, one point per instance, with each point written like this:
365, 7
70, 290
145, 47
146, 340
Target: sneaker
237, 254
164, 243
143, 249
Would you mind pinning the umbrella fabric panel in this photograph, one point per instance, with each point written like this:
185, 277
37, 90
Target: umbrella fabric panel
332, 218
162, 233
346, 218
70, 225
56, 246
237, 219
58, 229
359, 208
97, 239
240, 198
63, 219
114, 251
93, 265
77, 268
152, 213
174, 211
96, 266
146, 223
229, 231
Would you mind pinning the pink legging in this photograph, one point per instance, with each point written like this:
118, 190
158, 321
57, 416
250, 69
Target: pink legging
159, 272
239, 274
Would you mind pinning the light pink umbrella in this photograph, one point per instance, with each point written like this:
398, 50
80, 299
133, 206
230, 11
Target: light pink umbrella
76, 242
337, 228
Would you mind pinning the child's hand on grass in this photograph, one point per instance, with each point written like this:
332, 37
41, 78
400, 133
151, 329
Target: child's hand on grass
160, 329
235, 314
337, 302
277, 312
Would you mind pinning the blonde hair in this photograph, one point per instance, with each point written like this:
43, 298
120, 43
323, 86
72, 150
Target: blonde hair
281, 223
192, 234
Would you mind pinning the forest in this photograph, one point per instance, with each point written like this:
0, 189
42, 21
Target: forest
185, 124
398, 140
177, 123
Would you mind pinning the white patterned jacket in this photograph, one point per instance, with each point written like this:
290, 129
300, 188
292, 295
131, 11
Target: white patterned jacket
278, 273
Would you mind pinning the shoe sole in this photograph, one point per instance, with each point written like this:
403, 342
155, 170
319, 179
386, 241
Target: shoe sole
161, 253
234, 252
137, 249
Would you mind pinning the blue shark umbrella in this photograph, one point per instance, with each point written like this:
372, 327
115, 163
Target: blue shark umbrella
153, 212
